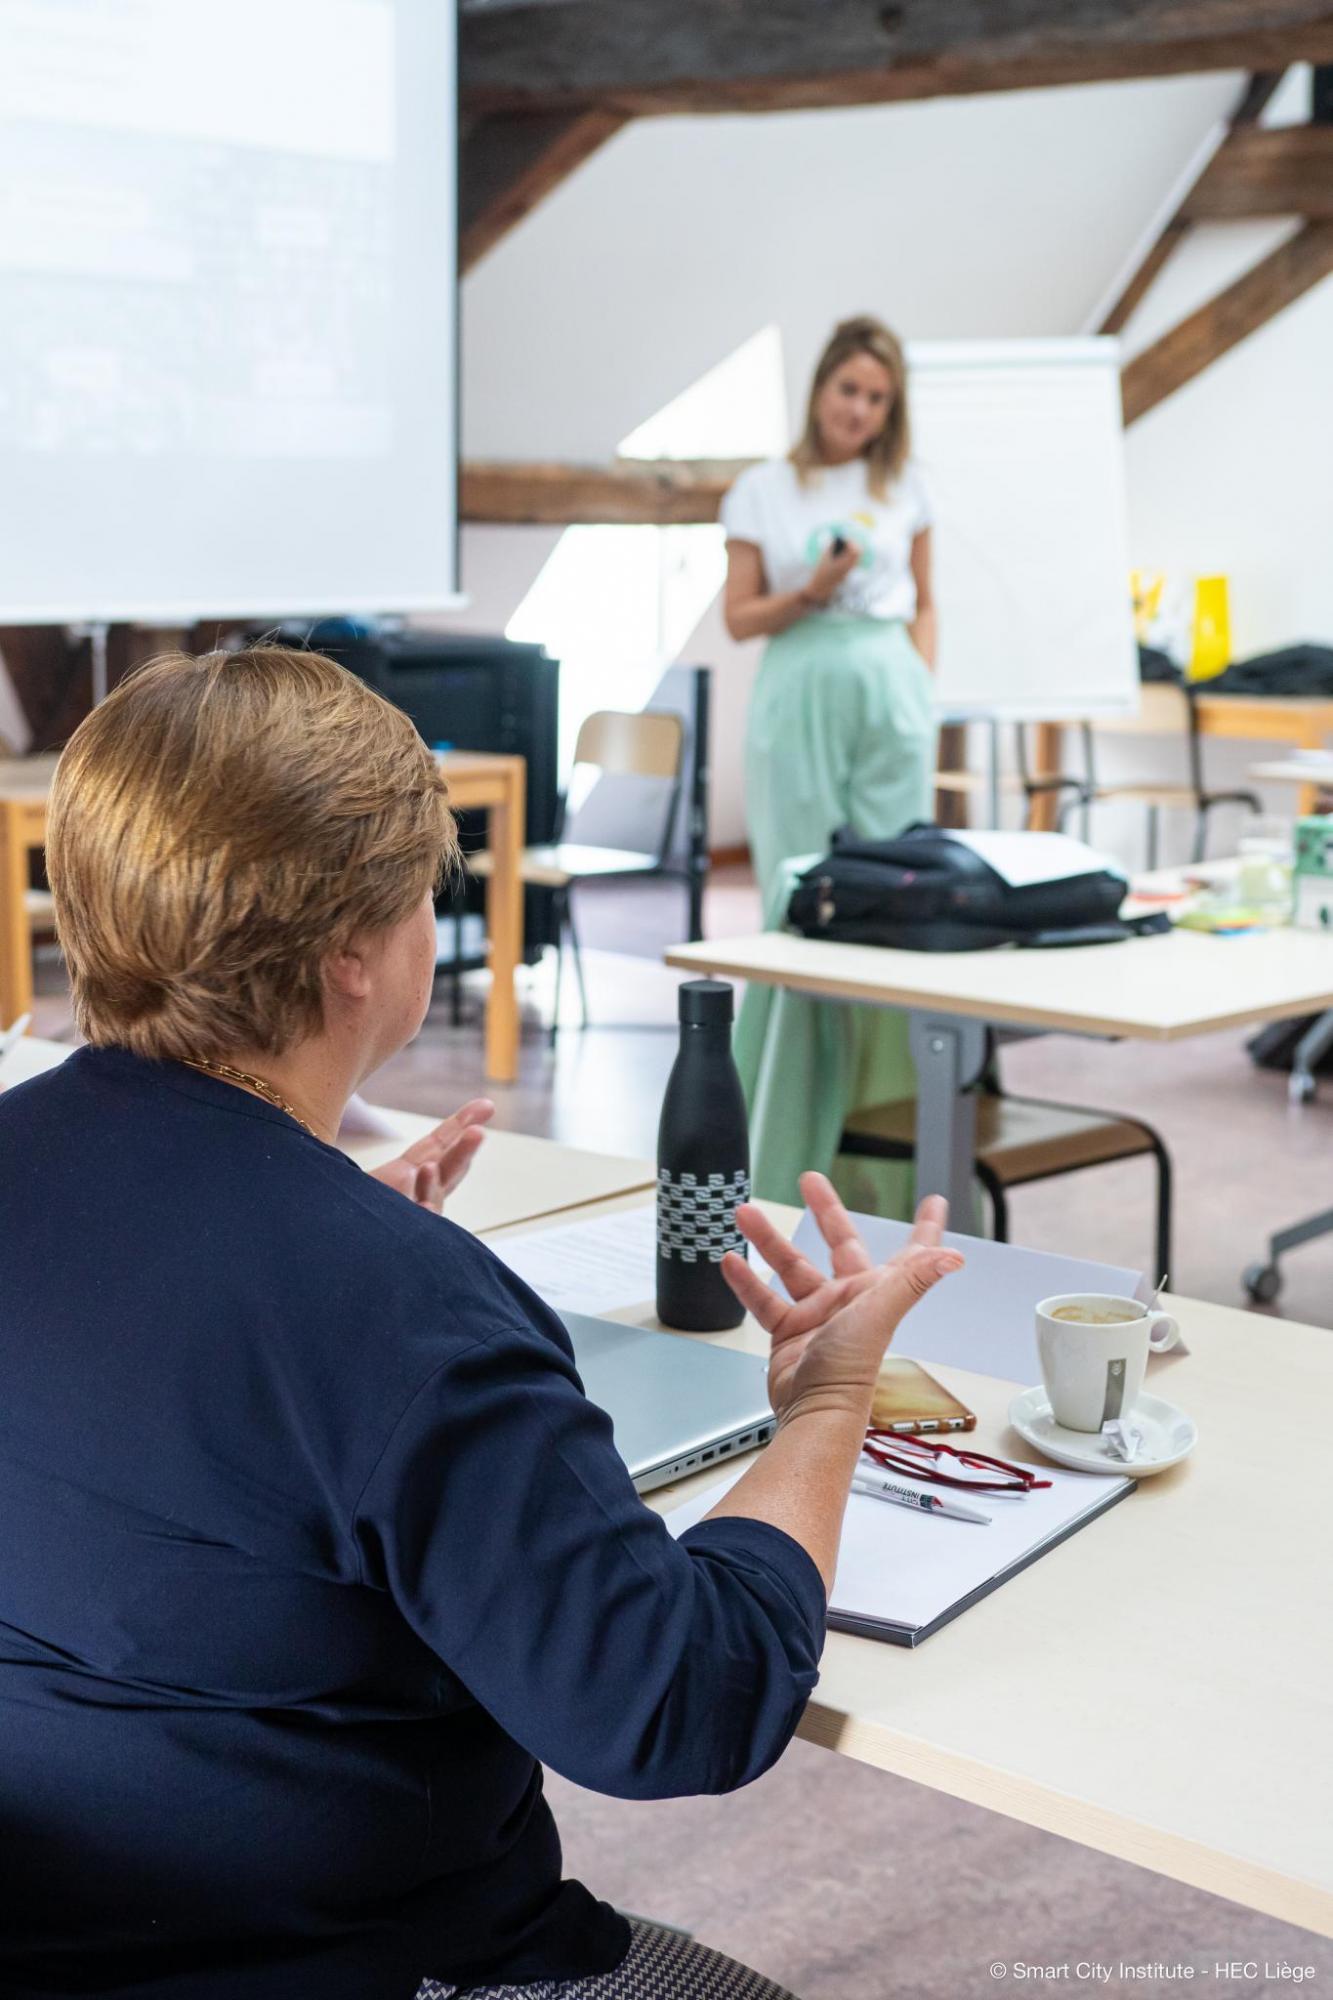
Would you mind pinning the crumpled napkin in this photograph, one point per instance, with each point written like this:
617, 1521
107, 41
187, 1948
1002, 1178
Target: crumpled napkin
1124, 1439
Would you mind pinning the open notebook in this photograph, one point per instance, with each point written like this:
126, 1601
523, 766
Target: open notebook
901, 1574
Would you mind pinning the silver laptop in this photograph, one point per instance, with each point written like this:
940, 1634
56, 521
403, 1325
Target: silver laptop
676, 1406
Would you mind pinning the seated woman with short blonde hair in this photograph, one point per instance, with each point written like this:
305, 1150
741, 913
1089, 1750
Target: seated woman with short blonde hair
313, 1545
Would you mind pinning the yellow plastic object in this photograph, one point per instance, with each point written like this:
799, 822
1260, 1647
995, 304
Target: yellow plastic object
1212, 628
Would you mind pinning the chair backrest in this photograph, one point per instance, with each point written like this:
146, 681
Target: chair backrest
648, 744
1166, 710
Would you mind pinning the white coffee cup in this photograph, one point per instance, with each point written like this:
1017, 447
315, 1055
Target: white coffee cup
1092, 1368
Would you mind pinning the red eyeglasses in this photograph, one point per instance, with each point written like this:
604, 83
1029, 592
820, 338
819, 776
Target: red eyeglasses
920, 1458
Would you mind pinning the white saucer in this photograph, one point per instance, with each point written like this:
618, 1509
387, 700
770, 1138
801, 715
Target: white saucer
1168, 1436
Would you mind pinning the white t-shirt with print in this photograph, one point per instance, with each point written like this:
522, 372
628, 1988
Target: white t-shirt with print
792, 524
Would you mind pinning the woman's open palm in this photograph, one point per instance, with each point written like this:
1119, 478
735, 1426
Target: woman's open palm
829, 1336
429, 1171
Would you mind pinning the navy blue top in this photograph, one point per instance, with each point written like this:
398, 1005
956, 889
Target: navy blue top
312, 1547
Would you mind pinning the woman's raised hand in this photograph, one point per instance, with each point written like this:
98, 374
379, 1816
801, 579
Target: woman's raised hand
428, 1172
830, 570
830, 1336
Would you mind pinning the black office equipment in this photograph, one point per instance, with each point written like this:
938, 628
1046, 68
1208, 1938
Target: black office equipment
467, 691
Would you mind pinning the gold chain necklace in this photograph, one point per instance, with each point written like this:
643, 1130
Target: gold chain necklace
255, 1083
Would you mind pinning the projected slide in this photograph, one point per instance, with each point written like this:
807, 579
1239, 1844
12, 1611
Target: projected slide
226, 306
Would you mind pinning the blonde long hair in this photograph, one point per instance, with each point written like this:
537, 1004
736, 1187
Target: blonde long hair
887, 454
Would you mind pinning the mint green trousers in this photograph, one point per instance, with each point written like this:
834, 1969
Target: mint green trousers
841, 733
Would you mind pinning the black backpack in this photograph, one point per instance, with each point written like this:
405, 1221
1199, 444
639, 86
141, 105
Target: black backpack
926, 891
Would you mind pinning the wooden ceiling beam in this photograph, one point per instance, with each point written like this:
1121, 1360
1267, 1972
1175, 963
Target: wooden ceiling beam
1170, 234
637, 493
1287, 170
642, 59
510, 162
1246, 113
1225, 321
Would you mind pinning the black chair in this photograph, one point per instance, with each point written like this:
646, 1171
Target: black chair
1165, 711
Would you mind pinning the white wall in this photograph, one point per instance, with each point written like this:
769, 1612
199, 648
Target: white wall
1005, 215
682, 237
1231, 474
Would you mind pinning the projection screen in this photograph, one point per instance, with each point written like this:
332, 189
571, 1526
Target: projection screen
227, 308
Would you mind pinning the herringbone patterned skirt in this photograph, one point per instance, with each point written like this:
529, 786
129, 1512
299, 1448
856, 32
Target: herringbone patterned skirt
659, 1965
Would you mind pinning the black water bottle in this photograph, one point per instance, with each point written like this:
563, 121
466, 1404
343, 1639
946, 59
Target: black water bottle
703, 1166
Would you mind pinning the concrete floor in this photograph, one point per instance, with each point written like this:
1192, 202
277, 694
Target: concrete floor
839, 1881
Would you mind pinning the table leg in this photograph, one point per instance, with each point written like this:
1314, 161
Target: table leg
949, 1053
1308, 796
1049, 738
504, 922
15, 940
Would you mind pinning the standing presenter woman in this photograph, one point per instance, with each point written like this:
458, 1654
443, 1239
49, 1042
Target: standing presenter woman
829, 560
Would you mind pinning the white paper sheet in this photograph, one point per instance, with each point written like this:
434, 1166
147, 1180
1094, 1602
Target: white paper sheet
904, 1569
981, 1317
588, 1266
1023, 858
593, 1266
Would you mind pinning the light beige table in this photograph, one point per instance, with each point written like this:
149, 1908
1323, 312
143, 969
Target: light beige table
1314, 776
1158, 1686
24, 785
514, 1178
479, 778
1156, 989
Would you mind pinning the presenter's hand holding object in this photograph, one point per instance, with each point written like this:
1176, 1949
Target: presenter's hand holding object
428, 1172
837, 562
830, 1335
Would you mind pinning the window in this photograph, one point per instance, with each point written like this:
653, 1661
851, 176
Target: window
617, 605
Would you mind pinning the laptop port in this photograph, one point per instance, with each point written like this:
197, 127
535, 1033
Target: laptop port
704, 1457
721, 1448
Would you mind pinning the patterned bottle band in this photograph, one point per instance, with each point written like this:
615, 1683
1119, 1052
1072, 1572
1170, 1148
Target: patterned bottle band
696, 1218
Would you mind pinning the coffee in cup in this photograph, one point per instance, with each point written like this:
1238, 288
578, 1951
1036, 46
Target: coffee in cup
1093, 1315
1094, 1348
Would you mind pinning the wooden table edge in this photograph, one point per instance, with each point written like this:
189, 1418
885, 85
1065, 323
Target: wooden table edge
1003, 1012
567, 1208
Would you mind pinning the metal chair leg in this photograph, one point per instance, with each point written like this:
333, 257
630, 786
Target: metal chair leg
578, 957
999, 1205
456, 977
1200, 833
561, 919
1162, 1257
